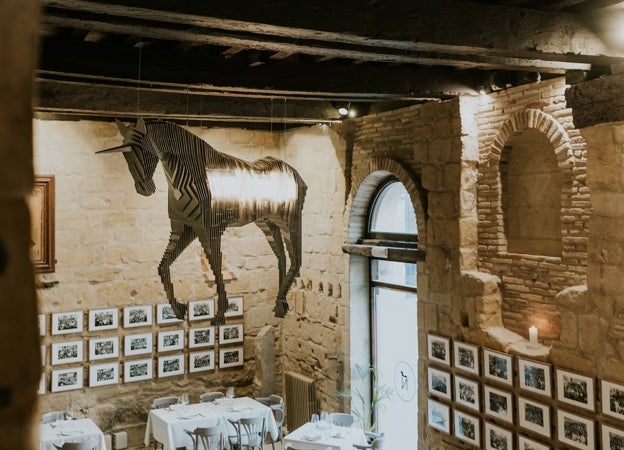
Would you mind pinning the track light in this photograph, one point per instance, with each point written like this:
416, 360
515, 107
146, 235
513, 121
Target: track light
343, 110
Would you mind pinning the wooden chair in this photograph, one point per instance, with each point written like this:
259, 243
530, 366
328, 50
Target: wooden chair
341, 419
210, 437
250, 434
164, 402
84, 445
276, 403
210, 396
52, 416
376, 444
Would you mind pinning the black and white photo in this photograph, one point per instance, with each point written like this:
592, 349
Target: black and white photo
467, 427
438, 416
439, 382
612, 396
438, 349
231, 357
229, 334
534, 416
524, 443
169, 366
67, 352
137, 316
234, 307
575, 389
103, 319
137, 370
497, 366
466, 357
612, 438
103, 348
165, 314
497, 438
103, 374
67, 322
138, 344
170, 340
201, 361
201, 309
498, 403
201, 337
467, 392
534, 376
67, 379
575, 430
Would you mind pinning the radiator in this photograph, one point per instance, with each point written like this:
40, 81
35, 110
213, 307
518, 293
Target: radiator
300, 399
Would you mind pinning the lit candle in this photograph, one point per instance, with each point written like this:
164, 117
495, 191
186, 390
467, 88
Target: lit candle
533, 335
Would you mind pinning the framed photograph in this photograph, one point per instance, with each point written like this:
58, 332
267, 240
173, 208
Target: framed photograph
103, 319
467, 392
612, 396
497, 438
575, 389
497, 366
103, 374
439, 416
235, 307
498, 403
467, 427
534, 416
524, 443
201, 337
612, 438
137, 316
42, 324
42, 384
67, 322
575, 431
104, 348
42, 348
140, 369
169, 366
466, 357
138, 344
439, 349
201, 309
165, 314
170, 340
41, 206
229, 334
439, 382
231, 357
67, 352
534, 376
67, 379
201, 361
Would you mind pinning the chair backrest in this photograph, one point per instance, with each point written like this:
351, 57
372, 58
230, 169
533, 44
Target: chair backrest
271, 400
52, 416
341, 419
250, 433
210, 396
210, 437
378, 443
84, 445
163, 402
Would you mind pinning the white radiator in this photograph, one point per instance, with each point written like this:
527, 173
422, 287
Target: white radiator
300, 399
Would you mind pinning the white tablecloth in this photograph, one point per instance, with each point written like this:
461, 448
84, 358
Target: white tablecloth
311, 436
167, 425
58, 433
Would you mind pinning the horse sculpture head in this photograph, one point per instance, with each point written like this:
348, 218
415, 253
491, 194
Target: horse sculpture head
141, 161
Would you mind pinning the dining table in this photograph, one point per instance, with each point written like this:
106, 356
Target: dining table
324, 436
168, 425
62, 431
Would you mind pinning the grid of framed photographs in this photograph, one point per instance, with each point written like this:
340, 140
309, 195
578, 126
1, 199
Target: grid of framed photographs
97, 356
494, 400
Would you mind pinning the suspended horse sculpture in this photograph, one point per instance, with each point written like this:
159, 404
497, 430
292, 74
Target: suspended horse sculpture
210, 191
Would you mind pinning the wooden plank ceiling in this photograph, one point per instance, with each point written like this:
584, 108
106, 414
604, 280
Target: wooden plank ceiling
276, 63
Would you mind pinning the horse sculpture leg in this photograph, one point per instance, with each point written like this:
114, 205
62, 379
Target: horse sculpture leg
293, 245
274, 238
181, 236
212, 248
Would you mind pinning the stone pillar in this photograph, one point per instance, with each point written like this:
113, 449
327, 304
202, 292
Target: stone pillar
19, 344
264, 380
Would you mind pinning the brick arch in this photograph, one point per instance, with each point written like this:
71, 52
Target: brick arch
366, 180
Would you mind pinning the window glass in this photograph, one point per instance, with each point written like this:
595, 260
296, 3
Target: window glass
393, 211
394, 272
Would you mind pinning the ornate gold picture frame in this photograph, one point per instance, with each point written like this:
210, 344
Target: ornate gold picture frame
42, 227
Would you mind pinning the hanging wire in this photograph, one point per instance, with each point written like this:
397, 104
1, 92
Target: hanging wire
187, 106
139, 76
284, 115
201, 111
271, 115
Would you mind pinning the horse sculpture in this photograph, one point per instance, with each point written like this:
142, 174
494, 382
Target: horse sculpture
210, 191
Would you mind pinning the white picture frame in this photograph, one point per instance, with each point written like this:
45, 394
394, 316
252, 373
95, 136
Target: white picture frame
230, 334
498, 403
498, 366
534, 377
524, 443
67, 322
575, 389
170, 365
201, 309
439, 349
201, 337
575, 430
67, 379
234, 307
165, 314
231, 357
439, 383
466, 357
467, 427
612, 396
496, 437
138, 370
42, 384
439, 416
138, 344
42, 350
104, 348
611, 438
534, 416
67, 352
201, 361
170, 340
137, 316
466, 392
103, 374
103, 319
42, 324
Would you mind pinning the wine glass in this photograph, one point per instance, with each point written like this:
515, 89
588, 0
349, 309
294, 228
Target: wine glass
230, 392
184, 399
315, 418
324, 416
69, 414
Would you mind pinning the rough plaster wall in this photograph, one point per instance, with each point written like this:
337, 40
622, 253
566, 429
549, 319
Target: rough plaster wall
109, 240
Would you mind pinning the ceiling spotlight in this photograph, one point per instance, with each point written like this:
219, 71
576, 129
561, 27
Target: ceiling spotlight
343, 110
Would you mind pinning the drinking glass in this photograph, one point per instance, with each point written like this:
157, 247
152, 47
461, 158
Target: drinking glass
230, 392
324, 416
69, 414
184, 399
315, 418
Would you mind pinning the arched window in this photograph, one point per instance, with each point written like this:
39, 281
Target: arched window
392, 216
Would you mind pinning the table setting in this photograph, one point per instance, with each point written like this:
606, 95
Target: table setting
322, 433
72, 430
